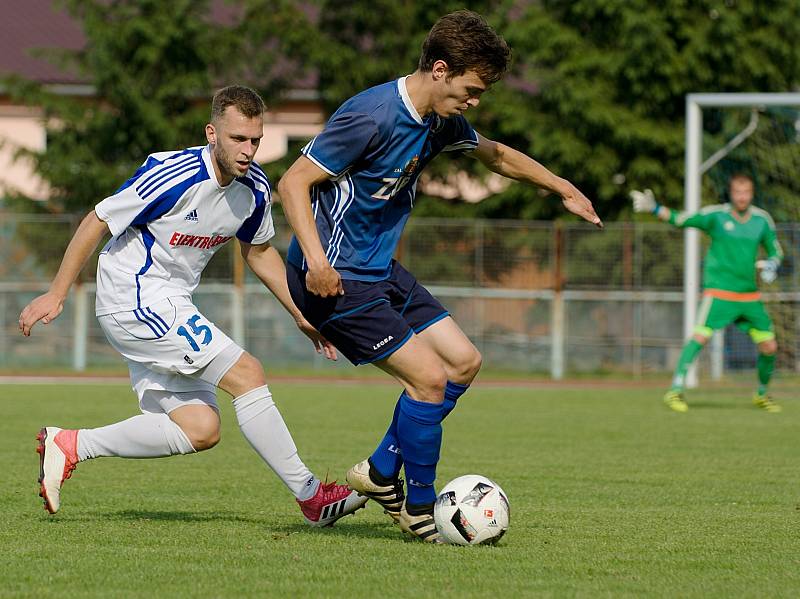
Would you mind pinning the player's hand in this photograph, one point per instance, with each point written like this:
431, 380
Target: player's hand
46, 308
324, 282
321, 345
768, 270
643, 201
577, 203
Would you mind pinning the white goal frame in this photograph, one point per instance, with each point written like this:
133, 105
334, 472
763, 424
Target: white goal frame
692, 200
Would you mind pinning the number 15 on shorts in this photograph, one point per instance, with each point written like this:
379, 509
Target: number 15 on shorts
197, 331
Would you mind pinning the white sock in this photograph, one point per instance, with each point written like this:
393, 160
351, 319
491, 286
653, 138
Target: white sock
143, 436
262, 425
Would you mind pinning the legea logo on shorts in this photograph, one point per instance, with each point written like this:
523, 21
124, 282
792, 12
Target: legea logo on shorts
380, 344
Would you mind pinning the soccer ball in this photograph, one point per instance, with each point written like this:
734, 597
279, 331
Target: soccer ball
471, 510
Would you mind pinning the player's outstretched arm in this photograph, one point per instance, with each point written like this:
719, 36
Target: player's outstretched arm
267, 264
49, 305
645, 201
295, 191
512, 163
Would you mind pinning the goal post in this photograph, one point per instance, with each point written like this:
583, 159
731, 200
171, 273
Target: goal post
693, 186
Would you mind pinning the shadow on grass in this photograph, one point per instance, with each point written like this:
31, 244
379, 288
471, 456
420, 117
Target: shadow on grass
718, 405
180, 516
344, 528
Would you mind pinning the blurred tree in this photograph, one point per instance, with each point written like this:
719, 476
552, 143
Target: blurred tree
610, 79
597, 88
148, 63
152, 66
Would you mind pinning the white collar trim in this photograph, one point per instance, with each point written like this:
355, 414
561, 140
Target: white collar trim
401, 86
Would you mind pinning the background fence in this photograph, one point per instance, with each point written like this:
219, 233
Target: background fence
537, 297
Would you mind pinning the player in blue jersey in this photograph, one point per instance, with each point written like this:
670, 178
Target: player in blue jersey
348, 198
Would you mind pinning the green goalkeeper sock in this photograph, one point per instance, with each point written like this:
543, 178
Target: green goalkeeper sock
766, 364
689, 353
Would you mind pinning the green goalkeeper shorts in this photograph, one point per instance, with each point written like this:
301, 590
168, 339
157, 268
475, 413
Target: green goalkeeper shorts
715, 313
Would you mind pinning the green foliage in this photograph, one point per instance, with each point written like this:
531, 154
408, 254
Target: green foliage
148, 62
597, 88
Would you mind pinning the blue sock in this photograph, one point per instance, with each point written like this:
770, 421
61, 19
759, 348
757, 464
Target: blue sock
451, 394
387, 458
419, 430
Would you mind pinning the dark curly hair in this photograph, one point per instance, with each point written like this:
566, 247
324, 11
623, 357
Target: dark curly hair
464, 40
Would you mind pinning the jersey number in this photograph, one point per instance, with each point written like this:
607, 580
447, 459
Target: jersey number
391, 185
203, 329
388, 190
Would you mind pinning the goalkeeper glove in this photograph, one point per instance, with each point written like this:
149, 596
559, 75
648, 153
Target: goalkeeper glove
769, 270
644, 201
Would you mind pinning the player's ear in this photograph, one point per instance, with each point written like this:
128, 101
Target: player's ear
439, 70
211, 134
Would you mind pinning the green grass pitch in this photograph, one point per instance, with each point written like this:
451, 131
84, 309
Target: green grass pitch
611, 495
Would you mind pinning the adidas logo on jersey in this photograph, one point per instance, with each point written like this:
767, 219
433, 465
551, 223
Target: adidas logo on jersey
191, 216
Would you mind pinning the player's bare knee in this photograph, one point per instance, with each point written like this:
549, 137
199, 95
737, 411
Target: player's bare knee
200, 425
246, 375
701, 339
429, 386
470, 366
203, 434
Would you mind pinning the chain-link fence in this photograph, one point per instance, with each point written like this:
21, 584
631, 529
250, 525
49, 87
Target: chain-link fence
533, 296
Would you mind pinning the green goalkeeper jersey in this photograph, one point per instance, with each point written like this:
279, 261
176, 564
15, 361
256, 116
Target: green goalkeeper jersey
730, 263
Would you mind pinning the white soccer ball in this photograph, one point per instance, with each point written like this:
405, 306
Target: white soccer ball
471, 510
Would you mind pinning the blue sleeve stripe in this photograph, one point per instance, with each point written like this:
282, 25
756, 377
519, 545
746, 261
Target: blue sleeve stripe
148, 168
160, 165
150, 163
152, 180
257, 168
164, 202
260, 178
180, 175
252, 223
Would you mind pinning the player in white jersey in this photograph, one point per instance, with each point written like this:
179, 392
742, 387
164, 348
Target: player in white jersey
166, 222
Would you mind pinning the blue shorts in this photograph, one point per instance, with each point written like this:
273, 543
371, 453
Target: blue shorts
372, 319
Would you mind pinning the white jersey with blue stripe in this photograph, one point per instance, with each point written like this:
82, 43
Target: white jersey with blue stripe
167, 221
374, 148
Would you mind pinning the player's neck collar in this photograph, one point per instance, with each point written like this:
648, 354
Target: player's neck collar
401, 86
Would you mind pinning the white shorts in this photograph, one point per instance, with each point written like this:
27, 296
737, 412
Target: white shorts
170, 346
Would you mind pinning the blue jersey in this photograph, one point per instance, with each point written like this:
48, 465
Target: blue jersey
374, 147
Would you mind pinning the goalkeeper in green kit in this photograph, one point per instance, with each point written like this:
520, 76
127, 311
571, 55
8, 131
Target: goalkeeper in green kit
730, 291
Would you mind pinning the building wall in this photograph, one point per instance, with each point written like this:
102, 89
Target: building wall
20, 127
